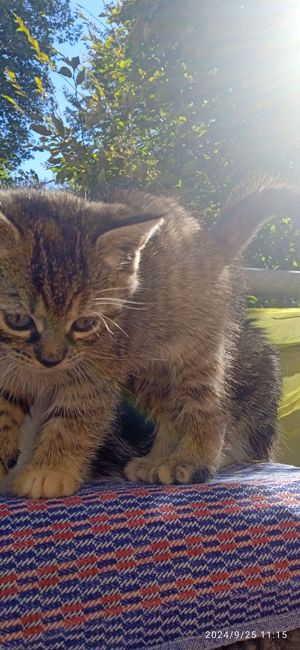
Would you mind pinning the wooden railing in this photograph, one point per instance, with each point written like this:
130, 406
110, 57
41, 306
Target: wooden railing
263, 282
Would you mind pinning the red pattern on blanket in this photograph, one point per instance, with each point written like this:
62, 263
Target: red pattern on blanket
125, 567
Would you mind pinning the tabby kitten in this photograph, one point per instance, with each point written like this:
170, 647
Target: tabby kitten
104, 300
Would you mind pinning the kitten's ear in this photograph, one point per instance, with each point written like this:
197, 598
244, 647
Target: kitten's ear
9, 235
126, 241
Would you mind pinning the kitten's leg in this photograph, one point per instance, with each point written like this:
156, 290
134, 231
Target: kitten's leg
11, 420
64, 449
251, 433
144, 468
197, 456
194, 410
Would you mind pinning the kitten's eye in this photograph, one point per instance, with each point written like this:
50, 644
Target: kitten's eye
84, 324
19, 321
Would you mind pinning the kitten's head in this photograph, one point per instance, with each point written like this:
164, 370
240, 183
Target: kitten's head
67, 268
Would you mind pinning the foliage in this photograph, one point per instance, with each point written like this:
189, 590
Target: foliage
186, 98
23, 73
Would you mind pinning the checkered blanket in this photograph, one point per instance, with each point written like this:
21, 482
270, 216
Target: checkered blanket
139, 567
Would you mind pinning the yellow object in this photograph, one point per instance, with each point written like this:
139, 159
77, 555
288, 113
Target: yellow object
282, 326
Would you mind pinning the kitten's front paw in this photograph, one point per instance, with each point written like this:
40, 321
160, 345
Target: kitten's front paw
36, 483
180, 472
172, 471
140, 469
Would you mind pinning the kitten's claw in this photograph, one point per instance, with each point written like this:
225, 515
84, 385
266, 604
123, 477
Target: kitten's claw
138, 469
172, 471
36, 483
181, 472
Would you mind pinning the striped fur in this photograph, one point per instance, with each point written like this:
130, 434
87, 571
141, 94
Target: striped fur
166, 330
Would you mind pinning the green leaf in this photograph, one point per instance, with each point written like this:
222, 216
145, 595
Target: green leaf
35, 117
80, 77
54, 160
41, 56
13, 101
41, 129
74, 62
65, 72
123, 64
10, 74
58, 123
40, 87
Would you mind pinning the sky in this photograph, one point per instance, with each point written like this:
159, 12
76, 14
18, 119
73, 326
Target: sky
94, 7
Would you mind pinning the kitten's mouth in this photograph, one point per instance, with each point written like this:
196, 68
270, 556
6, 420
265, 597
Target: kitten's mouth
51, 368
25, 364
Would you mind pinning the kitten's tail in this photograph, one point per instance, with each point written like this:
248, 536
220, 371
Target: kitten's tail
249, 208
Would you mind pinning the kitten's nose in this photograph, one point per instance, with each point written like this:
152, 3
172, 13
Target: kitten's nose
50, 350
49, 362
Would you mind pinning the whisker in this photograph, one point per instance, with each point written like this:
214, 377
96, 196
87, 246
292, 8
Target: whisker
118, 289
122, 300
105, 323
135, 308
97, 355
112, 289
93, 375
82, 374
118, 304
117, 325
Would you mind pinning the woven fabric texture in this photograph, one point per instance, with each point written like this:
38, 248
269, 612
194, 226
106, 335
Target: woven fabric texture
139, 567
